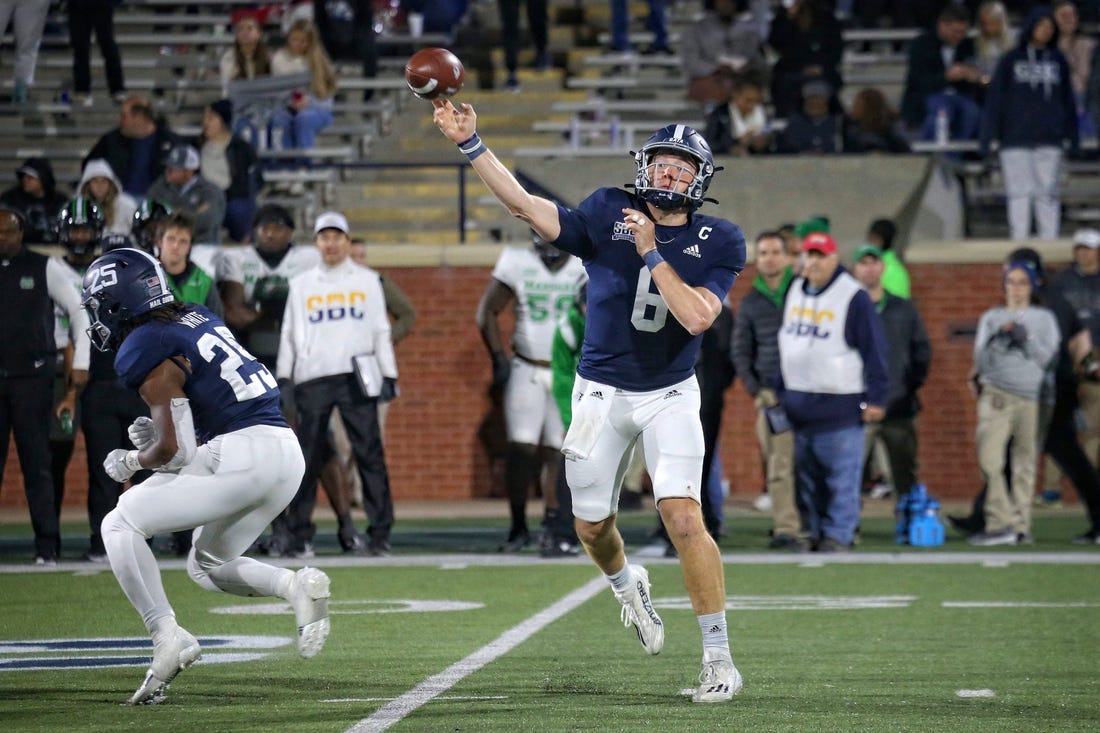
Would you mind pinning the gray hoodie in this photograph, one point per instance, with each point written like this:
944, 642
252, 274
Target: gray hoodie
1016, 366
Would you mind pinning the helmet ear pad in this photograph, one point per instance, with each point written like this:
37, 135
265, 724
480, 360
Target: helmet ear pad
684, 142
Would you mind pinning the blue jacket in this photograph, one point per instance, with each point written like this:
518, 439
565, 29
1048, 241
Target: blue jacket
1030, 101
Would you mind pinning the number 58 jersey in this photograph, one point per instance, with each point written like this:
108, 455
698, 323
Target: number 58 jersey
228, 388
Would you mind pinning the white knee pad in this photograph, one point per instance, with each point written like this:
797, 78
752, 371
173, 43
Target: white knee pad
199, 566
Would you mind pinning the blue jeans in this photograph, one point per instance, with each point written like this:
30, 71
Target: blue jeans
620, 24
298, 130
828, 469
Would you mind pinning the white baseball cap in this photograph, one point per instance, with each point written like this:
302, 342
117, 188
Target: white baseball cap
1087, 238
331, 220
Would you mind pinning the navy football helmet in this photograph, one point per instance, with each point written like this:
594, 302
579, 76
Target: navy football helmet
80, 226
683, 141
118, 287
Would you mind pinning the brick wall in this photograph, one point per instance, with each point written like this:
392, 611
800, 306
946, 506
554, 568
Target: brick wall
441, 434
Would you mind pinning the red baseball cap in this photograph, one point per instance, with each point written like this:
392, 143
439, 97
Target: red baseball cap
819, 242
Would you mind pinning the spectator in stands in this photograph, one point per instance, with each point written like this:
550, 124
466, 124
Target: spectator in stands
656, 23
1013, 349
84, 17
440, 16
740, 126
940, 61
28, 20
715, 50
813, 129
346, 28
511, 35
807, 37
994, 39
895, 277
230, 163
185, 190
36, 197
136, 149
833, 378
1079, 50
100, 184
249, 57
873, 126
909, 356
1030, 111
309, 110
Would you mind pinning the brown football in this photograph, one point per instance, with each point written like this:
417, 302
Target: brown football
434, 72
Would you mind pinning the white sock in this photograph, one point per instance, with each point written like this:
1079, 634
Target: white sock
135, 567
623, 580
715, 641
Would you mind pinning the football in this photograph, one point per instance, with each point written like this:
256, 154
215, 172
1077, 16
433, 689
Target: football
434, 72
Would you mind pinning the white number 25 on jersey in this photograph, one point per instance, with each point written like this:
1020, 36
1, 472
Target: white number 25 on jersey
259, 381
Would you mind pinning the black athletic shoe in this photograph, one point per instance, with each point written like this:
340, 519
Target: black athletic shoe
516, 541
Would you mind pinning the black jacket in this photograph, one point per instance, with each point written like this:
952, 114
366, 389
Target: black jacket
27, 310
908, 352
40, 214
114, 147
755, 347
927, 74
245, 176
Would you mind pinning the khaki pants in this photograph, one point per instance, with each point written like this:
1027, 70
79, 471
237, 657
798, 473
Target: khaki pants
778, 454
1003, 416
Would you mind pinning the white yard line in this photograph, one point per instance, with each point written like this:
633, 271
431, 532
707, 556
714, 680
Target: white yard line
398, 709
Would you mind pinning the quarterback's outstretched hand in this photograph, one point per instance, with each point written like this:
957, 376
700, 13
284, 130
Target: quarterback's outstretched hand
458, 125
121, 464
142, 432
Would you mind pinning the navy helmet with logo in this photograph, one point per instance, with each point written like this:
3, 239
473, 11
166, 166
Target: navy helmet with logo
118, 287
682, 141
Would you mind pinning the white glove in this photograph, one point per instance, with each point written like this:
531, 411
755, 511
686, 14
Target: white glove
142, 432
121, 464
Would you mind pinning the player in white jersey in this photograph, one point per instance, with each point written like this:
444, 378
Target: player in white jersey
658, 271
253, 280
540, 284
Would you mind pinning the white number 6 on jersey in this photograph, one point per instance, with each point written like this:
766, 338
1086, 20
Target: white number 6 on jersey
650, 310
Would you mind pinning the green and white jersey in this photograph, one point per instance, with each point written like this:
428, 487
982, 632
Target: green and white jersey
244, 265
543, 296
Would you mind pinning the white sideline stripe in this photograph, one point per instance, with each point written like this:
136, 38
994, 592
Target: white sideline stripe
393, 712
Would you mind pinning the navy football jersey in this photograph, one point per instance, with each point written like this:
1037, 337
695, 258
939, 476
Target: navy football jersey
631, 341
228, 388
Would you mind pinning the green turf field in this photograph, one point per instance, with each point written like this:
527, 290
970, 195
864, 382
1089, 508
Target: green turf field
430, 640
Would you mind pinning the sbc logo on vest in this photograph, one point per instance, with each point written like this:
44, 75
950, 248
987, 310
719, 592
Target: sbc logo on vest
810, 322
335, 306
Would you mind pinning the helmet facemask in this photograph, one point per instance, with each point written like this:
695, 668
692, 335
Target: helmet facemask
686, 144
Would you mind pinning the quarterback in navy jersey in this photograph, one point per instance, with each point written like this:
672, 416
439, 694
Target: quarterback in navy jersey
658, 272
224, 461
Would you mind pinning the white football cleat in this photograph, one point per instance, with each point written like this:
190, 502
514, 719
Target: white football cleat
638, 612
170, 657
719, 681
308, 596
